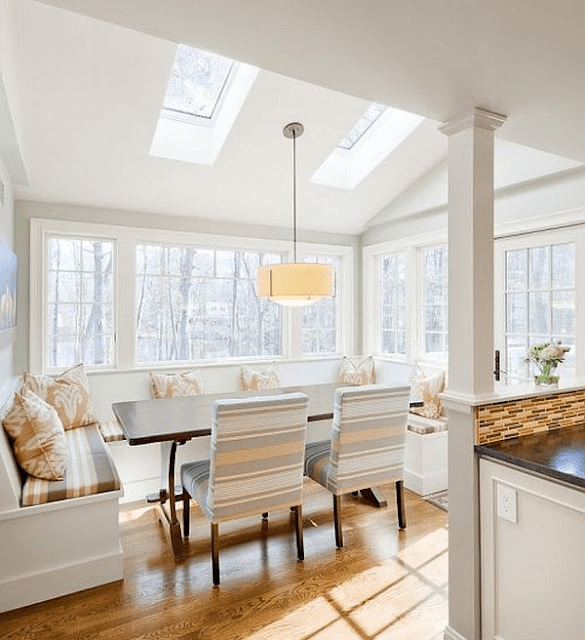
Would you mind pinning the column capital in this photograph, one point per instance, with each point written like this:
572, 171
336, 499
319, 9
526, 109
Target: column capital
475, 117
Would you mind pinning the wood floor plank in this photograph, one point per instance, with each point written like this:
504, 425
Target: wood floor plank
385, 583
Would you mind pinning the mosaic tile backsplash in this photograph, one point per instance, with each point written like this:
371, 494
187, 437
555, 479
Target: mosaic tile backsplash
522, 417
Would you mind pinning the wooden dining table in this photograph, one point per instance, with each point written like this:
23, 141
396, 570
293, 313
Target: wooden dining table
174, 421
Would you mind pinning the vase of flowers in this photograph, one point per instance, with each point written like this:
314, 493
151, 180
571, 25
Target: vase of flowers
546, 358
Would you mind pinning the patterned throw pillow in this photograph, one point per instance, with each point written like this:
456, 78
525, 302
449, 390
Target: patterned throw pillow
358, 373
251, 379
173, 385
37, 435
427, 389
67, 393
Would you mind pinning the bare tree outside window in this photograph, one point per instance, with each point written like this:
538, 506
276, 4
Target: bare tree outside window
435, 303
320, 320
392, 287
80, 296
196, 304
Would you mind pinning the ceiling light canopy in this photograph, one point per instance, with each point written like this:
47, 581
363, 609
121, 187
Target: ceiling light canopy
295, 283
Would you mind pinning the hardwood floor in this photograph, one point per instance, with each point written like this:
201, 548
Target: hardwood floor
384, 584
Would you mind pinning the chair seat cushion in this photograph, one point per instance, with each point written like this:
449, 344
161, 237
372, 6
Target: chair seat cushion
90, 469
195, 480
318, 462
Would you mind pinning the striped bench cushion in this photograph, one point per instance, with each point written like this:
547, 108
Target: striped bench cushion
111, 431
90, 469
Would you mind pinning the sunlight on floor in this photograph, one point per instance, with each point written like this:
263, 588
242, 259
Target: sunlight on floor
404, 597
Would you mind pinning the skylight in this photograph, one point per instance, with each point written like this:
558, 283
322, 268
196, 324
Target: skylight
374, 111
204, 95
197, 82
379, 131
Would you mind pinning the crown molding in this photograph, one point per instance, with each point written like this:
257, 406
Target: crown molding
475, 117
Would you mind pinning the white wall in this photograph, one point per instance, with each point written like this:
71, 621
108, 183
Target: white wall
423, 207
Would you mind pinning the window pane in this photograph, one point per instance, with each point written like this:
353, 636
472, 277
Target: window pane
516, 313
359, 129
563, 314
539, 313
538, 268
200, 304
392, 292
80, 296
516, 271
563, 266
435, 325
197, 81
321, 318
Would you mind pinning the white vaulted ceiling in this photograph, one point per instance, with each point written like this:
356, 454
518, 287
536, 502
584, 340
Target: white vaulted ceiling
85, 93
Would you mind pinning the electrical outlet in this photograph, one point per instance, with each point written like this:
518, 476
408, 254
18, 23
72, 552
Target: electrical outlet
506, 503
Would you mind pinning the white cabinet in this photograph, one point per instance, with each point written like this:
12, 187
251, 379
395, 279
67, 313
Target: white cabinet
532, 556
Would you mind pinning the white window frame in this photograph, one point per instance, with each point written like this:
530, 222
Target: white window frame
372, 254
125, 240
344, 290
574, 234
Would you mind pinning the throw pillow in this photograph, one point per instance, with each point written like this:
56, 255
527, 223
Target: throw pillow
427, 388
38, 438
251, 379
67, 393
173, 385
357, 372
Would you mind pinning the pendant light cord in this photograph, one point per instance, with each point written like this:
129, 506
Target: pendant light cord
294, 139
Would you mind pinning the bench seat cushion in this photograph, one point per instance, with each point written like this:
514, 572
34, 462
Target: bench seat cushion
90, 469
111, 431
423, 426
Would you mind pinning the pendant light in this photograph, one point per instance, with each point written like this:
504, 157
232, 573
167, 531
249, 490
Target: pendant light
295, 284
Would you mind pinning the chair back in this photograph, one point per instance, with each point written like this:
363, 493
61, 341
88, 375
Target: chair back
368, 436
257, 454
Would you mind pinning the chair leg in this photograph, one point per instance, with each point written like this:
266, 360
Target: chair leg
337, 519
299, 532
215, 552
186, 514
400, 504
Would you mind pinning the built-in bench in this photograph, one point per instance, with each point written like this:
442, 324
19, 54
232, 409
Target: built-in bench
58, 536
68, 538
140, 466
425, 464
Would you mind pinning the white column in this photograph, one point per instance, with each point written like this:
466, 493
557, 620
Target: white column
471, 338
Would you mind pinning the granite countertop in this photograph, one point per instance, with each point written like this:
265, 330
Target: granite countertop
557, 454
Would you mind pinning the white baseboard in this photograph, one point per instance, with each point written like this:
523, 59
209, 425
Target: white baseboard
22, 591
451, 634
135, 490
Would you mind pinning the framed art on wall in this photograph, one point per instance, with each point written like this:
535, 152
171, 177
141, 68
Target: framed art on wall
8, 287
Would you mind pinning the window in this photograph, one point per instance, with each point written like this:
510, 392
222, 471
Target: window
434, 303
197, 82
124, 297
203, 99
374, 136
80, 301
539, 303
196, 304
392, 284
320, 320
358, 130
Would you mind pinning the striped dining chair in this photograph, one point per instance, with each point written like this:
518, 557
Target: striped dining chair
366, 447
255, 465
